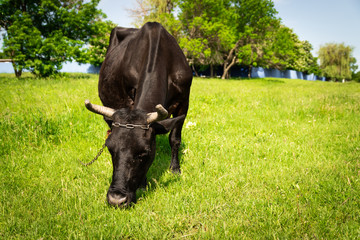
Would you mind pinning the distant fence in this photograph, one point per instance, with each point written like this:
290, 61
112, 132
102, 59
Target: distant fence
5, 60
259, 72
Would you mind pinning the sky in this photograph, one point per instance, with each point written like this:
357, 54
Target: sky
323, 21
317, 21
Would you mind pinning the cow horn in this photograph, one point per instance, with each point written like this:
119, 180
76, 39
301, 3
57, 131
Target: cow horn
159, 115
105, 111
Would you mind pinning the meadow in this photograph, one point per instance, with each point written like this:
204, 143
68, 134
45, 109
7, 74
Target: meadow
260, 159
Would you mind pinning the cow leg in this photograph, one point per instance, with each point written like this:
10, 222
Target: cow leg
175, 141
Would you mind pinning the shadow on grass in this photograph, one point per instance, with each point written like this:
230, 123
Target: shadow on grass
160, 166
264, 80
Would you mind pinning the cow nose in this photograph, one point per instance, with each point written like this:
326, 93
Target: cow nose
115, 199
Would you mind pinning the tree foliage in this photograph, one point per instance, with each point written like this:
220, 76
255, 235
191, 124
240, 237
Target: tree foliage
43, 34
252, 22
355, 75
207, 30
157, 11
336, 60
97, 45
292, 53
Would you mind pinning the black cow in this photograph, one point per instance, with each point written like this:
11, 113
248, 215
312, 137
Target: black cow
146, 78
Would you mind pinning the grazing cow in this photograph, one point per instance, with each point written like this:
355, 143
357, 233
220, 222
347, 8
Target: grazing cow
144, 79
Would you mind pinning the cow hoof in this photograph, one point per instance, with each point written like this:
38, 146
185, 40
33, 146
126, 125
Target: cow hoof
175, 170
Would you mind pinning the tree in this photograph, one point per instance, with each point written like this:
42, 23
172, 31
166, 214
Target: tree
355, 75
95, 52
256, 49
207, 30
161, 11
151, 10
251, 20
291, 53
22, 42
42, 34
335, 60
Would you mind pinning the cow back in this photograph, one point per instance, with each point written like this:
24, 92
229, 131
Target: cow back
144, 67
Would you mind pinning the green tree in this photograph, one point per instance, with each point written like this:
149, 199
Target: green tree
161, 11
22, 43
42, 34
245, 32
151, 11
291, 53
251, 21
336, 60
355, 75
256, 49
95, 52
207, 30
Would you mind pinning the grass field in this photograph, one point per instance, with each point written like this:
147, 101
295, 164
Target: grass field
261, 159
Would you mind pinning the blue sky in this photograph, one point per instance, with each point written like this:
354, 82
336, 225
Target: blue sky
318, 21
323, 21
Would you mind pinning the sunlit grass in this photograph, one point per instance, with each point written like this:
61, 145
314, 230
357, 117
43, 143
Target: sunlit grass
263, 158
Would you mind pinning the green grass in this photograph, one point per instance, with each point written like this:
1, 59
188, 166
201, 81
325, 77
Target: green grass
267, 158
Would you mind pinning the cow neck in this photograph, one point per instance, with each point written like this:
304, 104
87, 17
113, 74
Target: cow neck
149, 95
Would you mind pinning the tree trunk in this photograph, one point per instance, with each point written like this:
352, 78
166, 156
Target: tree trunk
227, 68
17, 71
211, 70
249, 73
194, 70
231, 59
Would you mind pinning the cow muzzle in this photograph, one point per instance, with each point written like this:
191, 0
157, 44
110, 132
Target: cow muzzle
116, 200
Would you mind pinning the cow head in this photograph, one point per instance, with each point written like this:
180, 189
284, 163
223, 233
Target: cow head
132, 147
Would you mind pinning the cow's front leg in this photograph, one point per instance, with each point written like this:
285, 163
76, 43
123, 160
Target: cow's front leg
175, 141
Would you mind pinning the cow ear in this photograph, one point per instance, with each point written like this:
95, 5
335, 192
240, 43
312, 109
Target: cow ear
167, 125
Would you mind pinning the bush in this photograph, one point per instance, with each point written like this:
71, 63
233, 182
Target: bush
356, 76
